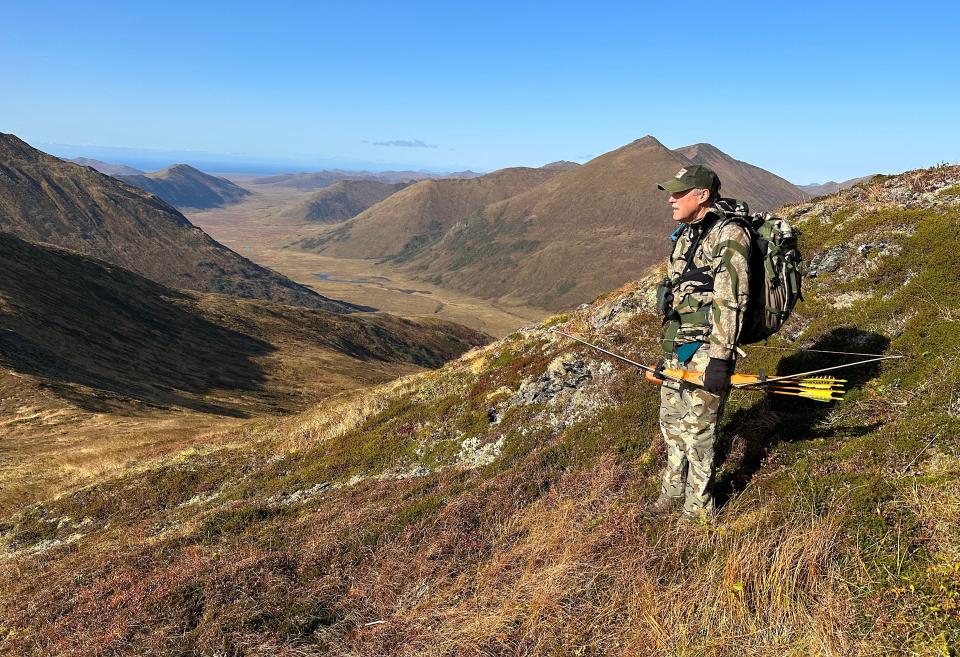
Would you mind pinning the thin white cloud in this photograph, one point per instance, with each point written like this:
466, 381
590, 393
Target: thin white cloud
403, 143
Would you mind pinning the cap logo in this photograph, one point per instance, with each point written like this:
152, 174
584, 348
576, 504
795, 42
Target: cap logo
680, 173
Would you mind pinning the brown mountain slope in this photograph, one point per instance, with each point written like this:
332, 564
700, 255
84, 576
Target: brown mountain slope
341, 201
44, 199
563, 242
106, 167
414, 218
183, 186
762, 190
104, 358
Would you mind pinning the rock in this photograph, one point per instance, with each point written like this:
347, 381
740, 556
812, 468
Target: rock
881, 248
604, 316
828, 261
474, 455
564, 372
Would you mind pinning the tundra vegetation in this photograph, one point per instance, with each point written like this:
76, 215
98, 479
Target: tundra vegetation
501, 504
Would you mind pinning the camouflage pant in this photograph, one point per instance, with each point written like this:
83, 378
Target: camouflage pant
688, 420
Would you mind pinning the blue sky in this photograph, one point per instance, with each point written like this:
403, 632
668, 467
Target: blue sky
811, 91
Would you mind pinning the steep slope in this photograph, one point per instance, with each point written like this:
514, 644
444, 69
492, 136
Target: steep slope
341, 201
586, 230
106, 167
762, 190
81, 341
44, 199
182, 186
831, 187
501, 505
410, 220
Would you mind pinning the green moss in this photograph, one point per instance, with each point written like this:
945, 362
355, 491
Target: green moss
556, 319
236, 521
295, 618
420, 509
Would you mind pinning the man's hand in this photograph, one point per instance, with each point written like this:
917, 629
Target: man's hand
716, 378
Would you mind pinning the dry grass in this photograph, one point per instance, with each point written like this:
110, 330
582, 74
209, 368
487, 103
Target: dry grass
840, 534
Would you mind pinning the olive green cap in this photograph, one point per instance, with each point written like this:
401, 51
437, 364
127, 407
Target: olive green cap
694, 176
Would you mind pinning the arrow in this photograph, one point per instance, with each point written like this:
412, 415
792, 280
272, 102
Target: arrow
819, 371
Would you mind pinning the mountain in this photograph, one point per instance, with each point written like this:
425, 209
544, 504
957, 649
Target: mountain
182, 186
502, 504
45, 199
341, 200
564, 235
463, 174
409, 221
321, 179
831, 187
561, 165
762, 190
584, 231
106, 167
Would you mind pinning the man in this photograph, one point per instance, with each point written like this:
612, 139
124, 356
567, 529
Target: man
708, 280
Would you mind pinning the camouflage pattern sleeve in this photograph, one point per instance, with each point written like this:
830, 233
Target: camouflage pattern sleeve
731, 282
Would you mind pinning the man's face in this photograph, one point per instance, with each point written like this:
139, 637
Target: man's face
687, 205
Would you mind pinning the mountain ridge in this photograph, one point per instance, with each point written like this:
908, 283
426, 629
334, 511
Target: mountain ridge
342, 200
766, 191
45, 199
406, 222
106, 167
831, 187
183, 186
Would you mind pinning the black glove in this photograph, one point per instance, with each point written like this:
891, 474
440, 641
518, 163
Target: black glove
716, 378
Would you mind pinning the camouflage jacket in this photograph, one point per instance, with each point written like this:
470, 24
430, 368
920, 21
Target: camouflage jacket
711, 299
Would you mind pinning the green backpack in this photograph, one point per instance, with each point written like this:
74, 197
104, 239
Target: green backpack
775, 270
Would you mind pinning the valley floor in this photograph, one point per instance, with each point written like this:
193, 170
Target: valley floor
254, 229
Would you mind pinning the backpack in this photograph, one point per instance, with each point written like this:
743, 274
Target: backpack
775, 269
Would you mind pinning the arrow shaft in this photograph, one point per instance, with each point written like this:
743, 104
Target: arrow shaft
824, 369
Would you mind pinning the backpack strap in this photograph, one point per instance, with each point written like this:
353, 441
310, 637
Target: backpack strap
699, 275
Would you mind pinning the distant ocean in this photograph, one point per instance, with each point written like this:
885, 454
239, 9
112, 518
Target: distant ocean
152, 160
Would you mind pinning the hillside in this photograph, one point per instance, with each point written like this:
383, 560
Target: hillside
106, 167
182, 186
45, 199
341, 201
82, 341
411, 220
557, 242
501, 504
762, 190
